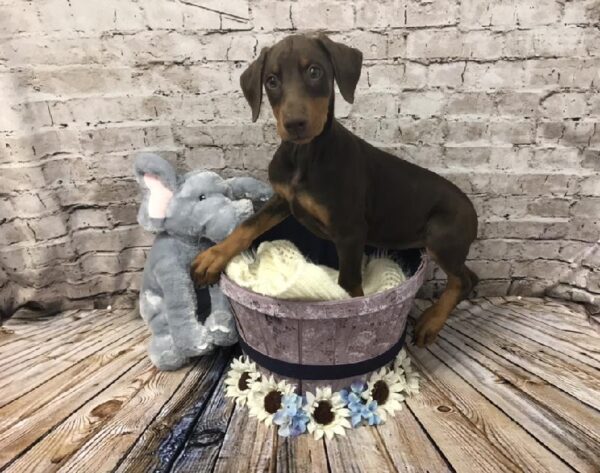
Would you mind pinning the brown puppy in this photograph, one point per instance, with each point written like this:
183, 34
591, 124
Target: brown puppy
339, 186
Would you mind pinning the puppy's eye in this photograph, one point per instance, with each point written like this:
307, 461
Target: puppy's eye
201, 197
315, 72
272, 82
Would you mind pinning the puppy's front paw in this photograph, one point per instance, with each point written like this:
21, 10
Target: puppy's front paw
428, 326
208, 265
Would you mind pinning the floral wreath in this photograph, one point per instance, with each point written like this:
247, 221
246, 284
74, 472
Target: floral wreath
324, 413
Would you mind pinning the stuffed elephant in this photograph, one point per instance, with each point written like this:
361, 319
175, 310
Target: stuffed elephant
190, 213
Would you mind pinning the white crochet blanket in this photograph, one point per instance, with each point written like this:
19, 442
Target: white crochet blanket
278, 269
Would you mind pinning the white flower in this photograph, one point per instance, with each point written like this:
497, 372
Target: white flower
265, 398
327, 414
385, 386
401, 361
402, 366
412, 382
241, 376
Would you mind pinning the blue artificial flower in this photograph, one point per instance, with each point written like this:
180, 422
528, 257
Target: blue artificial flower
369, 413
356, 388
355, 401
359, 408
291, 404
291, 416
299, 424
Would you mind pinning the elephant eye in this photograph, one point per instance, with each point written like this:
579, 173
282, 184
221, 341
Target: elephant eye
201, 197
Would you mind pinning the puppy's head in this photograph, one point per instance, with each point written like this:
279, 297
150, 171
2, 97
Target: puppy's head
298, 74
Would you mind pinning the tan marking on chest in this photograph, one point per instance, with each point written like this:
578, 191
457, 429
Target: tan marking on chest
284, 190
304, 200
318, 211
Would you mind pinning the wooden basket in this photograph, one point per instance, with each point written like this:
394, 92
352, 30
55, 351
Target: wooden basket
317, 339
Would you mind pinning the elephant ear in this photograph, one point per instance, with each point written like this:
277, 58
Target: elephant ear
249, 188
158, 181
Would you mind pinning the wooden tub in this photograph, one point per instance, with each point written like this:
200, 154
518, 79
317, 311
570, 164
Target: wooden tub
314, 344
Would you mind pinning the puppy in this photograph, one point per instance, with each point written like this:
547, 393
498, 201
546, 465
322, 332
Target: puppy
339, 186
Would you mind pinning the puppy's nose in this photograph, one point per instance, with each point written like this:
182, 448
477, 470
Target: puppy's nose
295, 126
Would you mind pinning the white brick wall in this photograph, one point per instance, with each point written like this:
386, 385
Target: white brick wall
499, 96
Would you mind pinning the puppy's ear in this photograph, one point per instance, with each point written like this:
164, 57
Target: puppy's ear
347, 64
251, 82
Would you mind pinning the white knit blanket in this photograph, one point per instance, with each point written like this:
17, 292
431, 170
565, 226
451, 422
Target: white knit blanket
278, 269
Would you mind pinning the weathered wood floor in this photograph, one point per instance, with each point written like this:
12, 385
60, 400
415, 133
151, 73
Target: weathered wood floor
511, 385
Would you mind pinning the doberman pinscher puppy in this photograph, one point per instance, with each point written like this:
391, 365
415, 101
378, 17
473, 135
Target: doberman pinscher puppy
339, 186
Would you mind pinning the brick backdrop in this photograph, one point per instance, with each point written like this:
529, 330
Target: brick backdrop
499, 96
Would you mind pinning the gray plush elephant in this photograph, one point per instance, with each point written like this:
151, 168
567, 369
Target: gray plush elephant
190, 213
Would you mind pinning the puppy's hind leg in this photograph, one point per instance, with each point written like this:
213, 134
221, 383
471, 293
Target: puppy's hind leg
449, 251
433, 319
473, 280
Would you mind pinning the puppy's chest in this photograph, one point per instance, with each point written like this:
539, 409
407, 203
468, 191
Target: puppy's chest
300, 193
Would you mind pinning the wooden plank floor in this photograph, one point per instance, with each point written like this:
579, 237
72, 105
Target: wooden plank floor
511, 385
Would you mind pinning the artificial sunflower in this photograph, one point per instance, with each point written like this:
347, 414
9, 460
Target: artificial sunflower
327, 414
240, 378
385, 387
412, 382
402, 366
266, 396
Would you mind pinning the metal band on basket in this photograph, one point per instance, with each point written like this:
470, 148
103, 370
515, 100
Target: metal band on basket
323, 372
